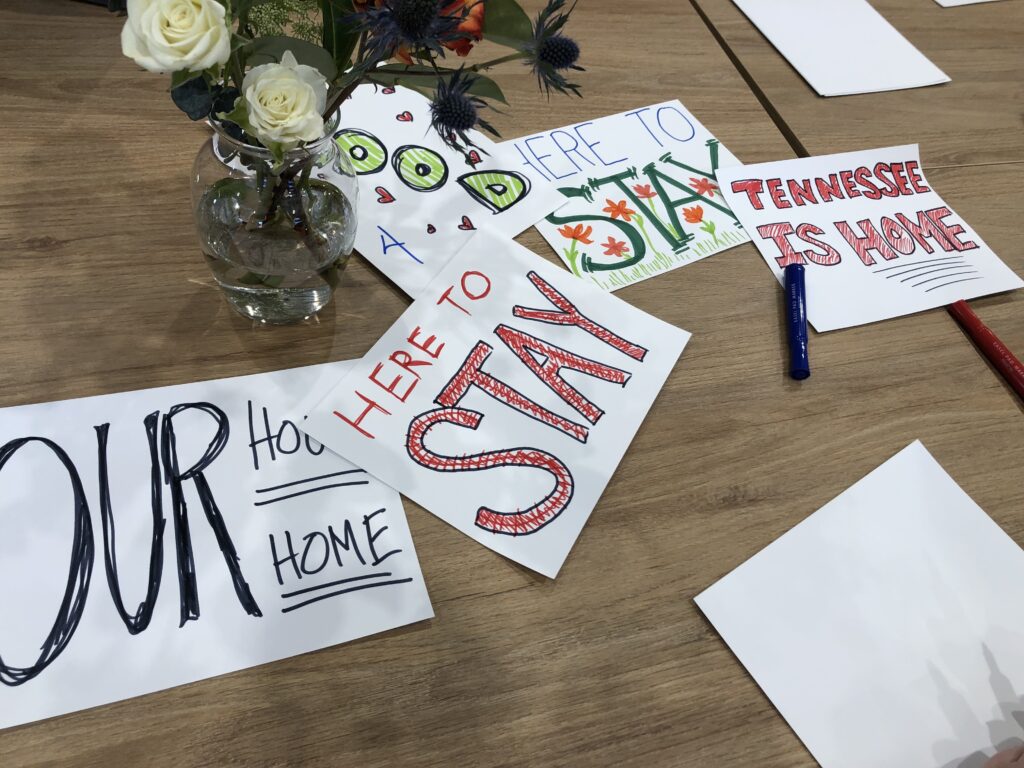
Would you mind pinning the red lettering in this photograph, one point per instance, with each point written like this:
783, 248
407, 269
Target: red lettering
890, 189
518, 523
916, 177
555, 359
570, 315
802, 192
863, 177
952, 231
753, 189
390, 388
471, 374
923, 229
846, 177
465, 288
897, 236
869, 240
775, 191
370, 406
447, 296
425, 346
829, 190
778, 233
899, 176
831, 256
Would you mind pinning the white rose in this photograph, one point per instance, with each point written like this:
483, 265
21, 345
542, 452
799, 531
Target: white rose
285, 102
173, 35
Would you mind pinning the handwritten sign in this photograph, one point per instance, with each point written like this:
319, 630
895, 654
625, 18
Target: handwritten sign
503, 399
168, 535
876, 239
641, 191
420, 200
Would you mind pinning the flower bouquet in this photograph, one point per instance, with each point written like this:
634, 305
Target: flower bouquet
274, 200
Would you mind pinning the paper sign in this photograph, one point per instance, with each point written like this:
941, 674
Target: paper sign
876, 240
420, 200
953, 3
887, 627
641, 191
503, 399
841, 46
159, 537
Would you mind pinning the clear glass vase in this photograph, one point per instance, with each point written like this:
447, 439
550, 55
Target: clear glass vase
275, 235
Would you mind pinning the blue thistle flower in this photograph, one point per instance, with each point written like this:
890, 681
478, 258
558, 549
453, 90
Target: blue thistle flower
550, 53
414, 26
454, 111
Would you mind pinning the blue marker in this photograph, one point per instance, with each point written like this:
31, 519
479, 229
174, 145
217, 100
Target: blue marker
796, 322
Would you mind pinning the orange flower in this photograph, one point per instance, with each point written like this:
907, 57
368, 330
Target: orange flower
694, 215
615, 248
644, 191
618, 210
472, 25
577, 233
703, 186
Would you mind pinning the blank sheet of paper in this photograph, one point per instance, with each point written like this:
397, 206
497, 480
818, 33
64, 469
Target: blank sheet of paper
841, 47
888, 627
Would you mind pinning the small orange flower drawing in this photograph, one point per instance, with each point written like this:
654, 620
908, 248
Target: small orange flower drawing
694, 215
618, 210
577, 233
703, 186
615, 248
644, 191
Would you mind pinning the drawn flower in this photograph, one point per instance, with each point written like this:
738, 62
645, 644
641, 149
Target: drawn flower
618, 210
615, 248
644, 191
577, 233
703, 186
694, 215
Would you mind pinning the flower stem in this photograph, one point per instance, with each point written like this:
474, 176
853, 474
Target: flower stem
643, 231
495, 62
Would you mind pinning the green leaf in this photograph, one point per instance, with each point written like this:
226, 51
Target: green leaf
193, 97
267, 50
182, 77
506, 23
339, 36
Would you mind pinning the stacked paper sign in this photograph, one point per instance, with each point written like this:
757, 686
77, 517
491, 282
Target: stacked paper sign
503, 399
167, 535
641, 191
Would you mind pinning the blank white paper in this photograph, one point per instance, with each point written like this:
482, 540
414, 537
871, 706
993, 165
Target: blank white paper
841, 47
954, 3
888, 627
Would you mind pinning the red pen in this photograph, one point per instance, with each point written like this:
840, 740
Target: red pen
1011, 369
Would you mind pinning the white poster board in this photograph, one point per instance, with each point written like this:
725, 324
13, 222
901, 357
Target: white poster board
641, 191
154, 538
876, 239
841, 47
503, 399
420, 200
887, 627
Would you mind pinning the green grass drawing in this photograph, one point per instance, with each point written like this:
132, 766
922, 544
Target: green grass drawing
661, 263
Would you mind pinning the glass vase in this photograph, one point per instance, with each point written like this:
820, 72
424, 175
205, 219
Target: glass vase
275, 234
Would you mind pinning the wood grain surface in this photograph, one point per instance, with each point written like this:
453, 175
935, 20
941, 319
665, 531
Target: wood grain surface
612, 664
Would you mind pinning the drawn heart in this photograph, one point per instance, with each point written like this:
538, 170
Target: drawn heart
389, 89
384, 196
404, 117
431, 229
466, 224
473, 157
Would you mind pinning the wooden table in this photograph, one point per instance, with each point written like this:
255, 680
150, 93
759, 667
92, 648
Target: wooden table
611, 664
